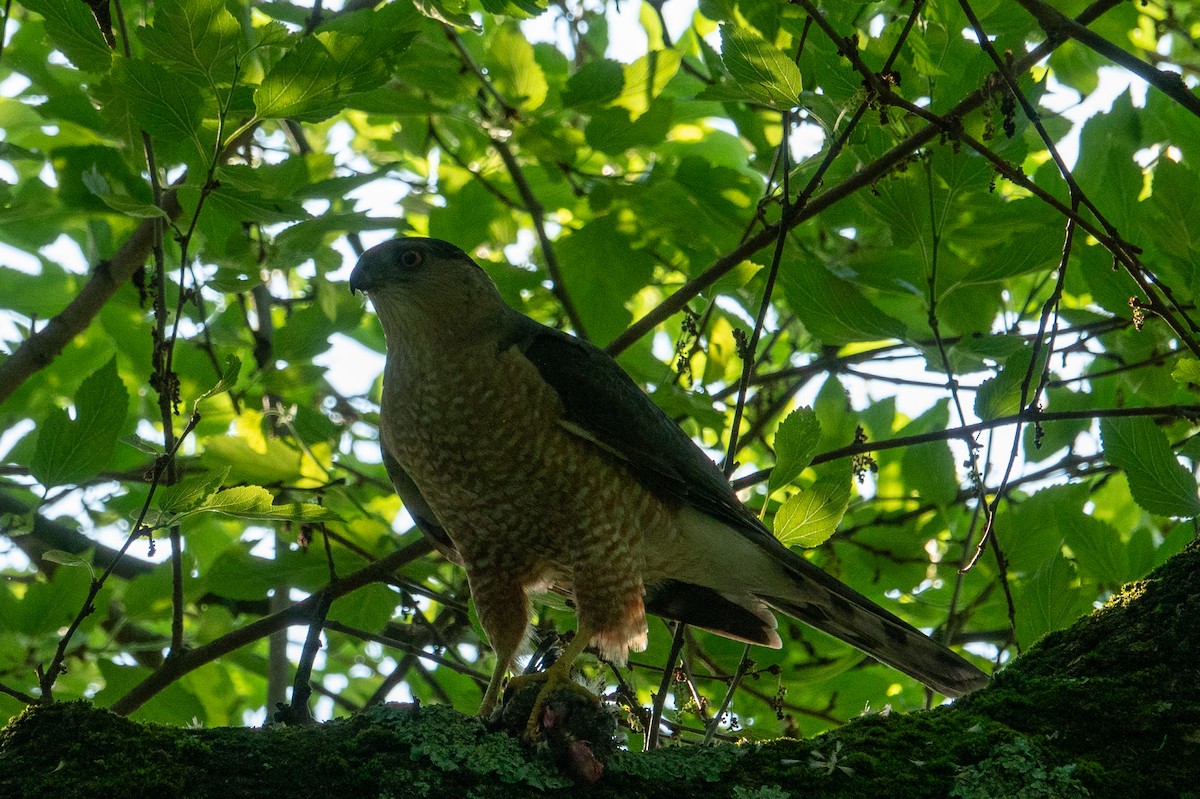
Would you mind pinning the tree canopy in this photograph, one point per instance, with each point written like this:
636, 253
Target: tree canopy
896, 263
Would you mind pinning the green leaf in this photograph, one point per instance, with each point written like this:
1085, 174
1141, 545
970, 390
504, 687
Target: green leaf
255, 502
244, 206
1105, 170
137, 209
160, 102
64, 558
808, 518
766, 75
1157, 480
314, 79
834, 310
73, 29
273, 34
189, 493
516, 72
369, 608
122, 203
1048, 601
929, 468
1176, 212
303, 85
239, 575
1042, 441
72, 451
233, 366
1187, 371
467, 217
595, 82
448, 11
599, 291
1033, 250
1097, 547
645, 80
275, 463
196, 36
796, 442
1001, 395
515, 8
612, 131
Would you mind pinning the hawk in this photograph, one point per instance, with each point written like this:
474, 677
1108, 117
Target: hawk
530, 458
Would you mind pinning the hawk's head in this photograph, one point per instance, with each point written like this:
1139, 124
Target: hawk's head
423, 285
412, 262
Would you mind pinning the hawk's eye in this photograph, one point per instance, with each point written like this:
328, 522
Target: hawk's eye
411, 259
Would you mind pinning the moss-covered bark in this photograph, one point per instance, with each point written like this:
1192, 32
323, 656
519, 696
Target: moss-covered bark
1107, 708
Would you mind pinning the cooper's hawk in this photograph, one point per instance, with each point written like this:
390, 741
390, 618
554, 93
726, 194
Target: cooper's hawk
533, 460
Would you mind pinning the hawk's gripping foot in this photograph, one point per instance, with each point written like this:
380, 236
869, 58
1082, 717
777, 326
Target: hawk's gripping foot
558, 694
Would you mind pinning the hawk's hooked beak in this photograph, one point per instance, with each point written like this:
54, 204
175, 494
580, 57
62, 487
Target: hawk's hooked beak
360, 278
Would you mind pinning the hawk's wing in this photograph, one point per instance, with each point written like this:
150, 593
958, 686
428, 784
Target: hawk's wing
417, 507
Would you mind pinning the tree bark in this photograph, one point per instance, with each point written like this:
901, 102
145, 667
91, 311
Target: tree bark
1107, 708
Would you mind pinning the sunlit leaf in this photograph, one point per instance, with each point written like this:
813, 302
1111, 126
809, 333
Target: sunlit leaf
189, 493
255, 502
1187, 371
71, 450
809, 517
645, 78
1157, 480
518, 75
760, 69
796, 442
447, 11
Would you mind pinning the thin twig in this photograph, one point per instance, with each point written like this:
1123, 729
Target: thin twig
404, 646
1028, 415
660, 698
537, 213
20, 696
743, 667
750, 351
302, 685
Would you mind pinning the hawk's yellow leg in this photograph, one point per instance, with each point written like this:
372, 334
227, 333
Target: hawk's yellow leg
492, 694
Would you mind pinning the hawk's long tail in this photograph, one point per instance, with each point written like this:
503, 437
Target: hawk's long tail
823, 602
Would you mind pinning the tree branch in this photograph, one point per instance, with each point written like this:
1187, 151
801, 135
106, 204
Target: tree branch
1054, 22
42, 347
299, 613
1025, 417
